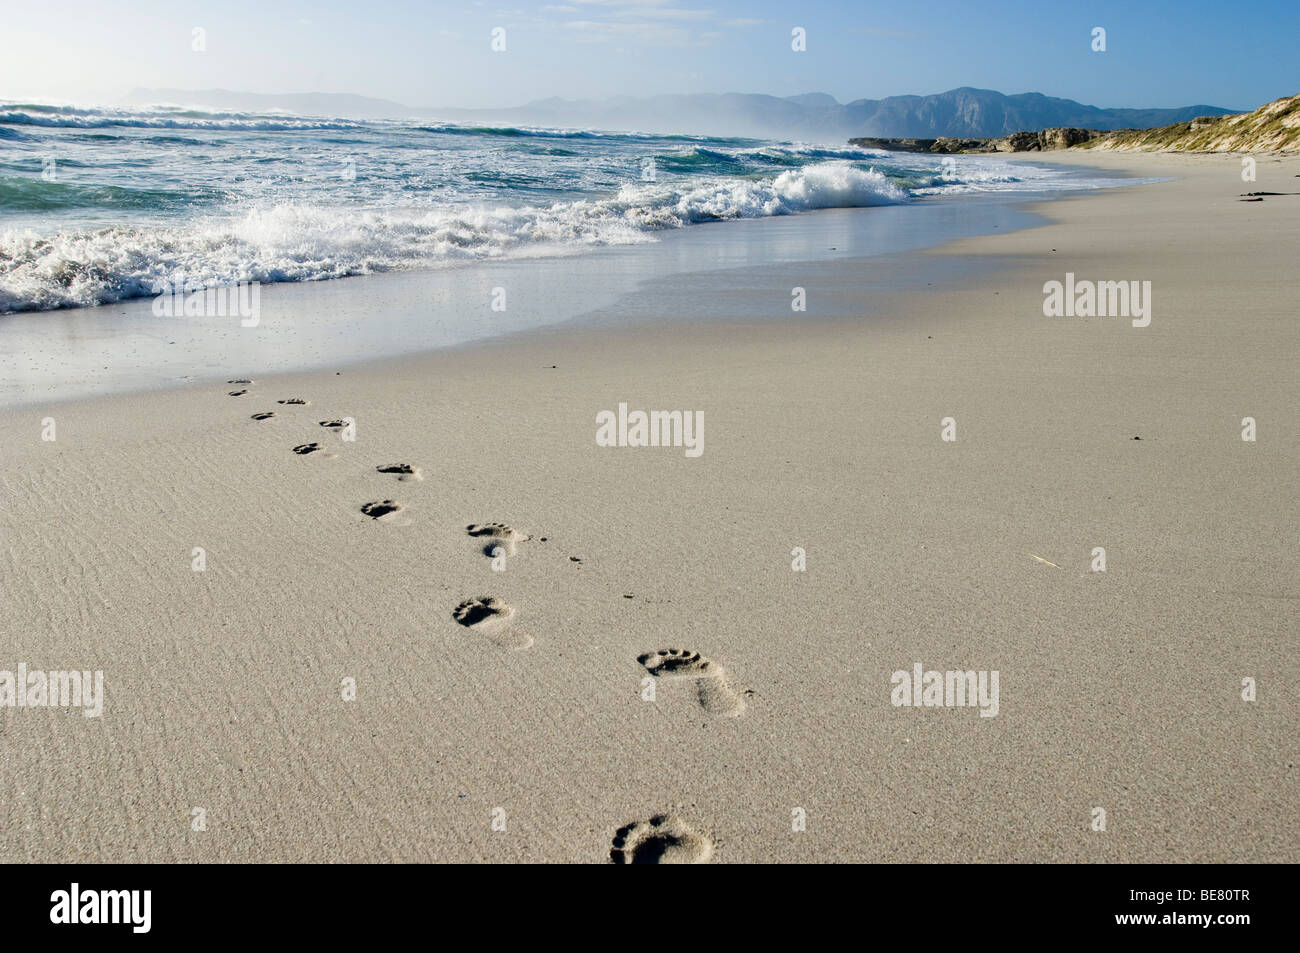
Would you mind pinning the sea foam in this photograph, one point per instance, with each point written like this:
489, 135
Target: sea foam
299, 243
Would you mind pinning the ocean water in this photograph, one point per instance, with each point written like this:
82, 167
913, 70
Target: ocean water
101, 205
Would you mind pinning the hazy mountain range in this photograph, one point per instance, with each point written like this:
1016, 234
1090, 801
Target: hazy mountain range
958, 112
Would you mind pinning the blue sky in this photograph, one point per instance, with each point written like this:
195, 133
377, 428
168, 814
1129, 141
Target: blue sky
438, 54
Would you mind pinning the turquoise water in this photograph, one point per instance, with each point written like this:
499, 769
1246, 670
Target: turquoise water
99, 205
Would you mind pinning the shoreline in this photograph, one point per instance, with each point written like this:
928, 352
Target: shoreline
1119, 689
122, 348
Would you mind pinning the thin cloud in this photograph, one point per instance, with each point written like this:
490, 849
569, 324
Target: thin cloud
639, 22
646, 32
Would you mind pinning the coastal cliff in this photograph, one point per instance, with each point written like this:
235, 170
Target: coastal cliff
1273, 127
1060, 137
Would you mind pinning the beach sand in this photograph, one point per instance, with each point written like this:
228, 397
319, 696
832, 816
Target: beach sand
527, 735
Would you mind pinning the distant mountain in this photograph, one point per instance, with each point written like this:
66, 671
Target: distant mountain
983, 112
301, 104
961, 113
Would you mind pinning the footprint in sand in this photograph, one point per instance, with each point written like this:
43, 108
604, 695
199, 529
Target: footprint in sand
491, 617
296, 401
381, 509
264, 416
237, 393
303, 449
404, 471
239, 381
498, 534
664, 839
334, 424
714, 693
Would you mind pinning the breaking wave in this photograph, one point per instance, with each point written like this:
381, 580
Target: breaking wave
307, 243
